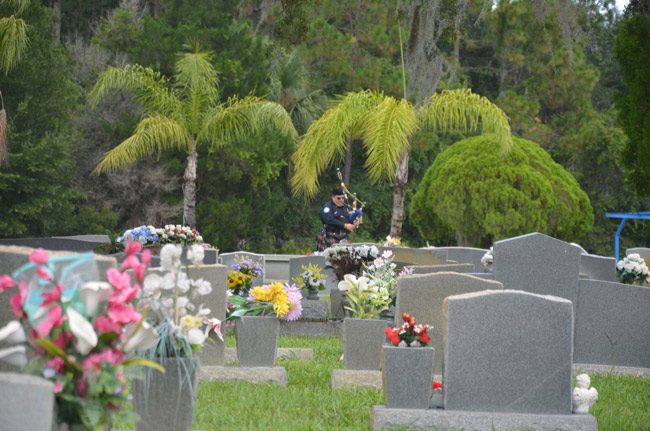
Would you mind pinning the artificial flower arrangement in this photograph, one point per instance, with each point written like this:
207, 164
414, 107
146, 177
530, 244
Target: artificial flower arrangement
632, 269
281, 299
170, 297
365, 300
408, 334
170, 234
240, 279
381, 273
177, 234
311, 279
349, 259
82, 332
145, 235
487, 259
392, 242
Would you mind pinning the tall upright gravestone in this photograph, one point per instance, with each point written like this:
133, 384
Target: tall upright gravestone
538, 263
612, 321
509, 352
422, 296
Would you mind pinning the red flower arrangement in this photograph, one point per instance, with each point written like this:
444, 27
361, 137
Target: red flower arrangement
408, 334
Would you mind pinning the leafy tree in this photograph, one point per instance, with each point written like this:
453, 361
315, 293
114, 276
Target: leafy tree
185, 116
486, 196
633, 53
385, 126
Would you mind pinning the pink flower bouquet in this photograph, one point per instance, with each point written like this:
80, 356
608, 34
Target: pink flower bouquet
81, 332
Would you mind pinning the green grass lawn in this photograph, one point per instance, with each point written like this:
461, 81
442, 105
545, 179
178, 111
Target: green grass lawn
309, 403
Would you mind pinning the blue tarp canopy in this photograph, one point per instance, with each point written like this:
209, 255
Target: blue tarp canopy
642, 215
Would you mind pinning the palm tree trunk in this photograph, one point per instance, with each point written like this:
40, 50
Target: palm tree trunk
401, 178
189, 189
347, 167
56, 6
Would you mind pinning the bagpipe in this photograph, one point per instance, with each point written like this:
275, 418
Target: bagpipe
356, 213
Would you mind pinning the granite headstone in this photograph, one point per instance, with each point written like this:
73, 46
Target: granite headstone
422, 296
508, 351
538, 263
611, 325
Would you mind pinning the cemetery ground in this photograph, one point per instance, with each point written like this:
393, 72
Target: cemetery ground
309, 403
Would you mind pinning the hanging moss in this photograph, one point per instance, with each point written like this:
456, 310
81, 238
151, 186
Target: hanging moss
484, 195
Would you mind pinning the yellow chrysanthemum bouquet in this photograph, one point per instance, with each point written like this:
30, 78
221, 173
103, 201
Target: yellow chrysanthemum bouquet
281, 299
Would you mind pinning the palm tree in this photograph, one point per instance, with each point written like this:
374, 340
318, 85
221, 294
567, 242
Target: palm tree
385, 126
184, 115
13, 43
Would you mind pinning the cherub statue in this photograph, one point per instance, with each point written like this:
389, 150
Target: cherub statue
583, 396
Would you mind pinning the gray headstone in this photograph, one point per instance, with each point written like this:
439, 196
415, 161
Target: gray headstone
538, 263
213, 349
483, 275
422, 296
26, 402
465, 268
612, 322
466, 255
276, 266
641, 251
314, 310
598, 267
403, 256
508, 351
76, 244
229, 259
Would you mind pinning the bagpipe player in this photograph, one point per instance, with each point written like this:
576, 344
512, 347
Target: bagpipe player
339, 219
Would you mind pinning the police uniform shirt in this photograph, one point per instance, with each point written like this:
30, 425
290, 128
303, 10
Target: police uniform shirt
334, 218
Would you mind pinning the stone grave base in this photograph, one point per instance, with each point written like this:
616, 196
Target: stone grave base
439, 419
273, 375
284, 353
327, 329
610, 369
356, 379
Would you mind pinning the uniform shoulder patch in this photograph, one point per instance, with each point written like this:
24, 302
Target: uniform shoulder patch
326, 210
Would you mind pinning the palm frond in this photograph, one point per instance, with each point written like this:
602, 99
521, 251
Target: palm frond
196, 81
150, 89
13, 42
240, 118
153, 134
463, 110
388, 131
325, 139
18, 5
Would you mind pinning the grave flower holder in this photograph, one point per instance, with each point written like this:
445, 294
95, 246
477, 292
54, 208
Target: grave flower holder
406, 376
257, 340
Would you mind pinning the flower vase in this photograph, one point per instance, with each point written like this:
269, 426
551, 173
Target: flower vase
362, 341
257, 340
166, 401
312, 294
406, 377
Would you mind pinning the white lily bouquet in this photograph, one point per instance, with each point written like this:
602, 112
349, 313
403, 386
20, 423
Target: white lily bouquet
633, 270
366, 298
172, 299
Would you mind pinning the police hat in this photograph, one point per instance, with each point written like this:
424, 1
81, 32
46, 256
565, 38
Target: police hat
338, 191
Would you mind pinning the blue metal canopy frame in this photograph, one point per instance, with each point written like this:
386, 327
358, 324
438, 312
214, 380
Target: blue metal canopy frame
642, 215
